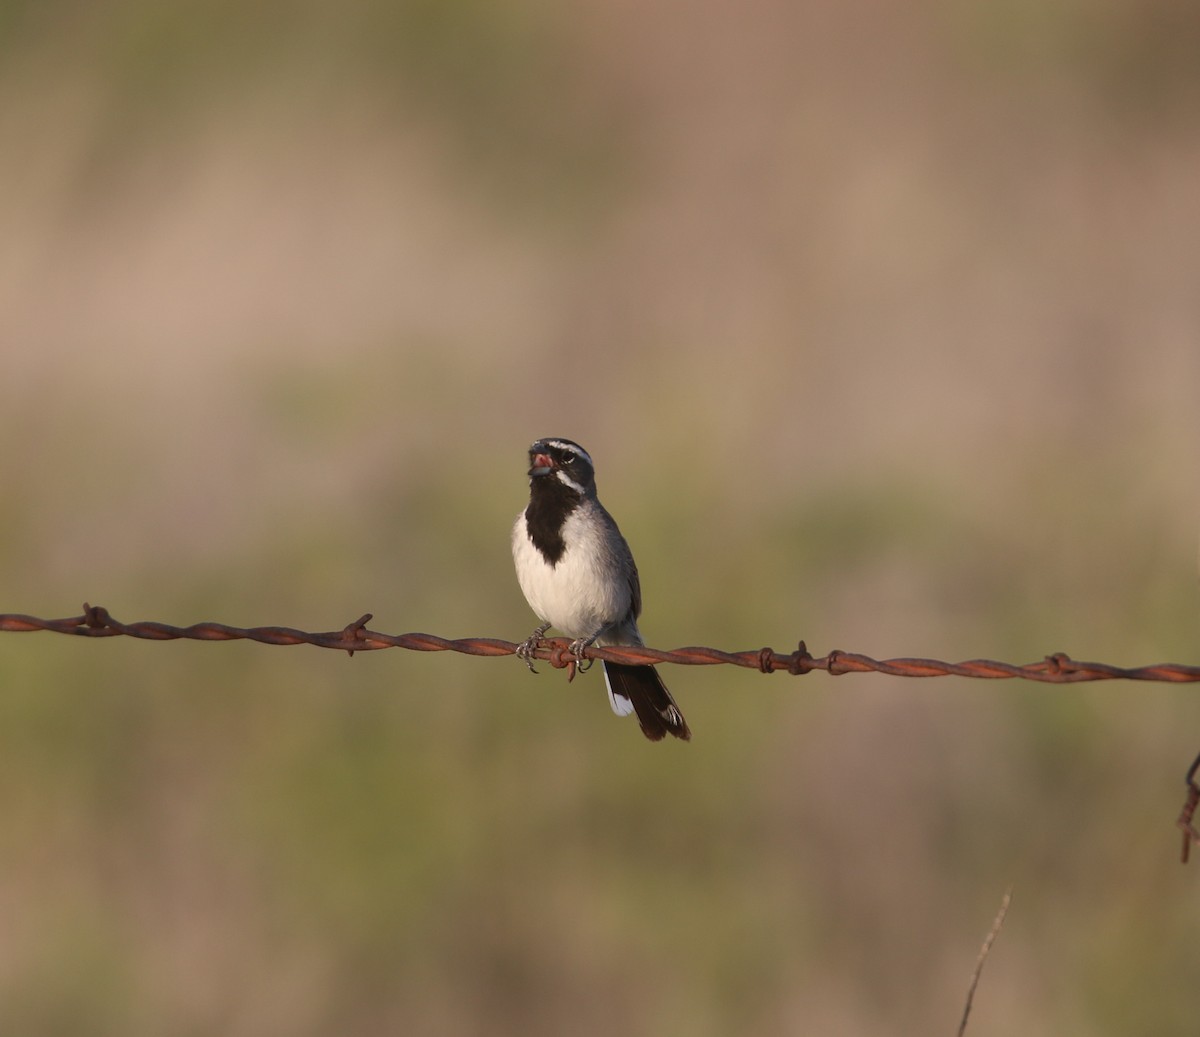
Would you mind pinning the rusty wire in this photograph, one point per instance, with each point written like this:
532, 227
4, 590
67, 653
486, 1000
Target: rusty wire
1186, 822
355, 637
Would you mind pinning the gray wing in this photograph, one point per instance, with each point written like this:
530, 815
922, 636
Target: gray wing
623, 557
635, 585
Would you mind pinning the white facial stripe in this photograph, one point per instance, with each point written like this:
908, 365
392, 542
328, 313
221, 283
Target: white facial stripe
562, 477
570, 448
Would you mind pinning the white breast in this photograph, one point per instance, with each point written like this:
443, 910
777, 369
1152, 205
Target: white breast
587, 590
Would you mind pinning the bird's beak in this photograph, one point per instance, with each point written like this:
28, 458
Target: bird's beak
540, 464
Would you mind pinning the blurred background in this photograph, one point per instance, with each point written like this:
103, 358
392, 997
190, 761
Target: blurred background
882, 323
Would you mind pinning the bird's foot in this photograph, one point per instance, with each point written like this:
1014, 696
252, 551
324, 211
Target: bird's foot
527, 647
578, 647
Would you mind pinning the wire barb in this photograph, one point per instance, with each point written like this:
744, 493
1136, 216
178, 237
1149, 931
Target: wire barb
1186, 815
354, 632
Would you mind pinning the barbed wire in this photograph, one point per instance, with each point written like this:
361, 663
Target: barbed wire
1186, 822
1058, 668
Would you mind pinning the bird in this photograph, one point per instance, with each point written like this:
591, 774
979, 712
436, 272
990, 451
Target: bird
578, 575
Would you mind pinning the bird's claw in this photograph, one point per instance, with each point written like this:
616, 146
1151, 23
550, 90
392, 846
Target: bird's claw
577, 648
527, 647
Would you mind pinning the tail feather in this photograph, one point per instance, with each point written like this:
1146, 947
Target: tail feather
643, 688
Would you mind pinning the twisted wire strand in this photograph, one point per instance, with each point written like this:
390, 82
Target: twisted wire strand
1058, 668
355, 637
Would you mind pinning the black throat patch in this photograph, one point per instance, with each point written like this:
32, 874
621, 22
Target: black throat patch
550, 502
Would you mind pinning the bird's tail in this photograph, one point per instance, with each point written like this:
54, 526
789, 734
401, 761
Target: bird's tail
641, 690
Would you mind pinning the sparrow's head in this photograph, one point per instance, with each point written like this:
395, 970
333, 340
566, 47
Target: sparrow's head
565, 462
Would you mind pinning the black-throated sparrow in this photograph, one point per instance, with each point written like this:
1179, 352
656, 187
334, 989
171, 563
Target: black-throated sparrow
578, 575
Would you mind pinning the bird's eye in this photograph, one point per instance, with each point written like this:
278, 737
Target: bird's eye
569, 459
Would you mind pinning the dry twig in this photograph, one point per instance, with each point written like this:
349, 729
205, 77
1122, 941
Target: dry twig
983, 953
